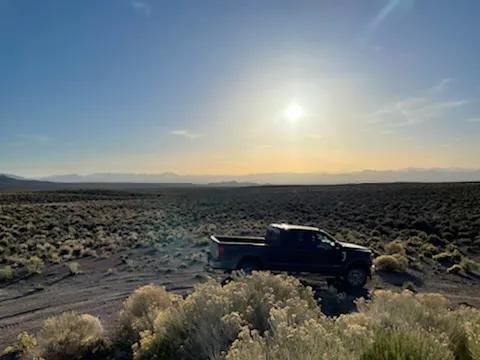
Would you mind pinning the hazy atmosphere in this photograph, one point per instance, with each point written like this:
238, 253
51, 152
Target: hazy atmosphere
235, 87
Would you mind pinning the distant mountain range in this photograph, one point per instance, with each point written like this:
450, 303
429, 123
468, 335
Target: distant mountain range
127, 180
365, 176
9, 182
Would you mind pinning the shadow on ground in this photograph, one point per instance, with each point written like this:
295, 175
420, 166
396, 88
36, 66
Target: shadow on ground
399, 279
335, 301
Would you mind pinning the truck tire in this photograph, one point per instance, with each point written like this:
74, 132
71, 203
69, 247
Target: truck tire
356, 277
249, 265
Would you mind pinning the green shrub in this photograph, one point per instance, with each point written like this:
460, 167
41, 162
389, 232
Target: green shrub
70, 336
6, 273
391, 263
400, 345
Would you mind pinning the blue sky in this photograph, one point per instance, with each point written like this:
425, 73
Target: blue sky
201, 87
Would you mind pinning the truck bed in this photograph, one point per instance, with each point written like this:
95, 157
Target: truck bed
240, 240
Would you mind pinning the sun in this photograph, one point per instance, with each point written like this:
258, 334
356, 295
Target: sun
293, 112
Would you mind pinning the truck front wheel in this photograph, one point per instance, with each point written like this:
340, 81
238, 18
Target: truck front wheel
356, 277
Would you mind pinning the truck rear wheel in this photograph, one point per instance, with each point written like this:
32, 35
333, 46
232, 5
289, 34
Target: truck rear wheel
249, 265
356, 277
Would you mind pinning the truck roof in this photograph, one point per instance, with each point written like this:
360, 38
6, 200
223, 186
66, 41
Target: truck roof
294, 227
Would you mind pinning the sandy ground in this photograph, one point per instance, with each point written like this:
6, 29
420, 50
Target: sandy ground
105, 283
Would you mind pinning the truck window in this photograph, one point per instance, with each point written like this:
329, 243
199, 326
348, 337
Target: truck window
305, 239
322, 241
295, 239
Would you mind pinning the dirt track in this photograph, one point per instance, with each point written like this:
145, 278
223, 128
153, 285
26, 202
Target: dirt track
105, 283
26, 303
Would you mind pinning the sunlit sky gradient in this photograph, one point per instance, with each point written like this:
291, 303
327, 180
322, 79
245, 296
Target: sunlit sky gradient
203, 87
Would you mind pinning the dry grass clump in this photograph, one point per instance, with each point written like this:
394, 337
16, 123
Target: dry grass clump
74, 268
391, 263
139, 312
6, 273
429, 250
400, 345
454, 269
72, 336
24, 346
395, 247
394, 260
209, 320
34, 265
448, 258
470, 266
313, 339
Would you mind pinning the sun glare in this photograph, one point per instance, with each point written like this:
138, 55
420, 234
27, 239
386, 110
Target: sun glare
294, 112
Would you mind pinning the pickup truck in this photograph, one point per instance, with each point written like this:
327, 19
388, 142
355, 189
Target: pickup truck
293, 248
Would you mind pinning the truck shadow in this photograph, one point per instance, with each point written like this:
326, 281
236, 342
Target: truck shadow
333, 301
336, 301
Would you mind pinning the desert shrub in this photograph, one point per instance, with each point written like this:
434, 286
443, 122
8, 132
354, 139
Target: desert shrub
204, 241
25, 345
139, 312
395, 247
468, 342
6, 273
399, 345
470, 266
408, 285
312, 339
209, 319
454, 269
53, 257
448, 258
34, 265
74, 268
428, 249
72, 336
427, 314
391, 263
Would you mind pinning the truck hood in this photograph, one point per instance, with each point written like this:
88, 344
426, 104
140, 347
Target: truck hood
350, 246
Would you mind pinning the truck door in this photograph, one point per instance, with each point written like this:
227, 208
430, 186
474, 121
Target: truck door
291, 250
325, 257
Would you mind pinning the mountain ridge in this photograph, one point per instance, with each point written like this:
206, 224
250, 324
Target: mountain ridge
367, 175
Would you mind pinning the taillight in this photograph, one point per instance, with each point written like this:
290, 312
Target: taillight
221, 250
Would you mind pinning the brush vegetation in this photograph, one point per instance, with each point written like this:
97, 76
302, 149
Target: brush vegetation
265, 316
423, 220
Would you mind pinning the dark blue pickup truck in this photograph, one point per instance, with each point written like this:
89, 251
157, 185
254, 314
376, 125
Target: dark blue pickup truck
293, 248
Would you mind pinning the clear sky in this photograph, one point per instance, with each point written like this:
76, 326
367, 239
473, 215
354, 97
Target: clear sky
238, 86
